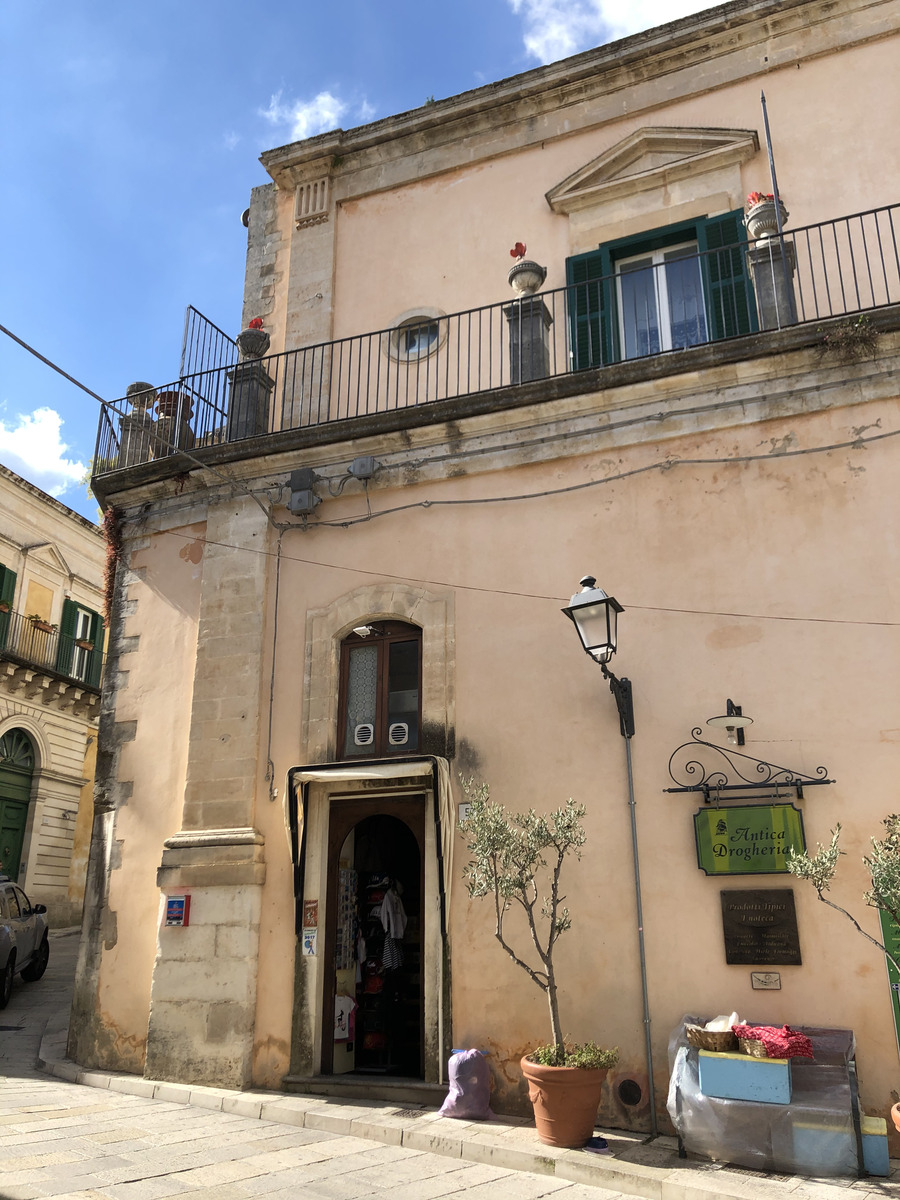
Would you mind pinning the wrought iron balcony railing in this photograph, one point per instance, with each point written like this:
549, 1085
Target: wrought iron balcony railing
643, 306
34, 645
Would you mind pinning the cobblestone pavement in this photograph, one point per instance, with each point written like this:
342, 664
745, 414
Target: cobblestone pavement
77, 1134
70, 1142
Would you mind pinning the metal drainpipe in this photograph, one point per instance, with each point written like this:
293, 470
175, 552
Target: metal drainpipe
654, 1131
621, 690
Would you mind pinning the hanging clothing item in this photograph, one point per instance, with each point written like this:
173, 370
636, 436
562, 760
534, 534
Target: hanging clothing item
392, 955
393, 914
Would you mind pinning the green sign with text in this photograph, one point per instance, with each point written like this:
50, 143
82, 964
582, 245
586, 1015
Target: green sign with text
751, 839
890, 933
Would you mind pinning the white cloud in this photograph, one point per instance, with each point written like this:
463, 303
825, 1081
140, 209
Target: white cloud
30, 445
305, 117
557, 28
366, 112
230, 140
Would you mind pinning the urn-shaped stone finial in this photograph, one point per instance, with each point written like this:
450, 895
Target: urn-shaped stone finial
253, 341
526, 277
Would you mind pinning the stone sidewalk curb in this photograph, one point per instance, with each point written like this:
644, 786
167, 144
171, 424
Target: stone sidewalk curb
509, 1143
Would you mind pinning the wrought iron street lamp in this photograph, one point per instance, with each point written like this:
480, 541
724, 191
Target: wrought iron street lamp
595, 616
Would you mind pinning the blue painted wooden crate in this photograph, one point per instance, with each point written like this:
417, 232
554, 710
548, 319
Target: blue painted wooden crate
740, 1077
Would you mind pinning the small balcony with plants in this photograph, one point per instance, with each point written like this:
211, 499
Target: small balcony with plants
618, 315
40, 662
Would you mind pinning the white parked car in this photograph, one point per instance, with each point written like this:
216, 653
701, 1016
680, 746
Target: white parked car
24, 948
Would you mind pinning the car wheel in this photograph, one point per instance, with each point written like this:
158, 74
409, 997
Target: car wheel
6, 981
38, 965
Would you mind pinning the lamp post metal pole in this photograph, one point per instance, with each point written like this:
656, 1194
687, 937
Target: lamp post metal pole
621, 690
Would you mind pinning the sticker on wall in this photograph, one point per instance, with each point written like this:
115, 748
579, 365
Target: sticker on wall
310, 914
178, 910
308, 942
750, 839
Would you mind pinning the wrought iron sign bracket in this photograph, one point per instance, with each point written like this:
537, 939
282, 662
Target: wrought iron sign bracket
701, 766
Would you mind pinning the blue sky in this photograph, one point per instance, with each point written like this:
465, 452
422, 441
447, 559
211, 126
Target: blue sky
130, 143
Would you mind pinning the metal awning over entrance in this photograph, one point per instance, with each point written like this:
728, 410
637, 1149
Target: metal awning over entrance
395, 770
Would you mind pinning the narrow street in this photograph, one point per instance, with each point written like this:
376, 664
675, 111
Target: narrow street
71, 1142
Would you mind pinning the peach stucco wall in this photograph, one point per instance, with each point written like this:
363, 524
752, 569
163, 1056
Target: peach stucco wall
768, 582
445, 242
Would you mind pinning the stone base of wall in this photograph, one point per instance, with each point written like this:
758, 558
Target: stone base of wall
203, 998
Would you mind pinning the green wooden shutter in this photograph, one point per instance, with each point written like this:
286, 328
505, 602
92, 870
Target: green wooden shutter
98, 635
590, 308
7, 596
730, 303
66, 640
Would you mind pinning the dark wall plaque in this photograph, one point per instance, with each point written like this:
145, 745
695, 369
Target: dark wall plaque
760, 928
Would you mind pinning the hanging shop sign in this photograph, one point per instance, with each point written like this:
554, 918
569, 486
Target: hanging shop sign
748, 839
890, 935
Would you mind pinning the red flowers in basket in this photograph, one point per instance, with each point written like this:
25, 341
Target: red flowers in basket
758, 198
518, 250
256, 323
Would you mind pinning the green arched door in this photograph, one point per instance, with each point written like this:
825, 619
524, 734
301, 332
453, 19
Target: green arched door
16, 771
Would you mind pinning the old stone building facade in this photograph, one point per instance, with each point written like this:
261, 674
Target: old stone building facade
354, 547
51, 654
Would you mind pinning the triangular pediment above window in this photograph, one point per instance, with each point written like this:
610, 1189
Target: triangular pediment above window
651, 157
50, 556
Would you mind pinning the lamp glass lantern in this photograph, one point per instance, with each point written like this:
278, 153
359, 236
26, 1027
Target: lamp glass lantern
594, 615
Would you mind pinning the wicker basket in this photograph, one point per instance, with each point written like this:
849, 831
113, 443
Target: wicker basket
721, 1041
754, 1047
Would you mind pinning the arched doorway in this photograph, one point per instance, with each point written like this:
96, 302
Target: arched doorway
373, 1011
16, 772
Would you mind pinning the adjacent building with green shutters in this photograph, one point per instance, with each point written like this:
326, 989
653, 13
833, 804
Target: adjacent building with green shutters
52, 637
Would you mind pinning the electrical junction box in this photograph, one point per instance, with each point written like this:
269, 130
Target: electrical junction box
740, 1077
302, 503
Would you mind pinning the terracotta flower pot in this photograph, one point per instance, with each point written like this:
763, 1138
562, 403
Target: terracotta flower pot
171, 404
565, 1101
895, 1116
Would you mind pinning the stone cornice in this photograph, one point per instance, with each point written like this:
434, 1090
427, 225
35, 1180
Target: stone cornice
696, 54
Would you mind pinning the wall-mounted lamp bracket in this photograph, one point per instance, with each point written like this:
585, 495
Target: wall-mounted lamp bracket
701, 766
621, 690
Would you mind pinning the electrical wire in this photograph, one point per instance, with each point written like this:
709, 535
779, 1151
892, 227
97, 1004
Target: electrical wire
236, 483
470, 587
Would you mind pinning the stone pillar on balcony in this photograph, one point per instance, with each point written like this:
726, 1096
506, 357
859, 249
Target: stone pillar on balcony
529, 322
250, 387
203, 995
772, 262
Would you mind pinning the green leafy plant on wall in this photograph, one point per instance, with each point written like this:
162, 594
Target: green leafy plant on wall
883, 866
517, 861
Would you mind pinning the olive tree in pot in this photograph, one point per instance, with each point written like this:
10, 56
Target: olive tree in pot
513, 855
883, 867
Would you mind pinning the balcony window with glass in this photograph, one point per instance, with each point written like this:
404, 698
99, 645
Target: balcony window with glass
80, 648
667, 289
380, 690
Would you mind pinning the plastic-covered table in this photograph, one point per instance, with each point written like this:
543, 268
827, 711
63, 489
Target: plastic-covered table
817, 1133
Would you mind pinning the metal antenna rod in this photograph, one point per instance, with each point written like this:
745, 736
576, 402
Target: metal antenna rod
762, 97
778, 224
